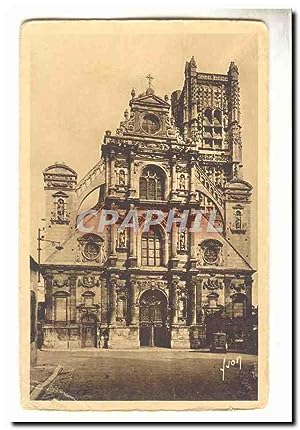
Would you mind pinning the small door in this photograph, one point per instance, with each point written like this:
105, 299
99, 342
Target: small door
89, 331
89, 336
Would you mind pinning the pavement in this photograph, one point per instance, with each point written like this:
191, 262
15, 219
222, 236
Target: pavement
146, 374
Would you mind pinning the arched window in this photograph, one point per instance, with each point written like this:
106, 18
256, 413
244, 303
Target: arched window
151, 184
218, 118
152, 248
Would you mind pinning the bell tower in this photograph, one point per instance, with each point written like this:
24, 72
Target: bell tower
59, 185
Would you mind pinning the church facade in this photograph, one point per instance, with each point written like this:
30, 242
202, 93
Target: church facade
127, 288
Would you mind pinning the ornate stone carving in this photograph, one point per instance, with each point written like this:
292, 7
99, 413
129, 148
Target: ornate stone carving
213, 284
91, 248
60, 215
88, 281
121, 163
210, 253
126, 126
61, 284
122, 240
152, 284
238, 288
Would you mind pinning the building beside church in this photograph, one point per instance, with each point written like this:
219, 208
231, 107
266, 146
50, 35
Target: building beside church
119, 288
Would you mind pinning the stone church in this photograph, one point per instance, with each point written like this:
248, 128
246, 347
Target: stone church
130, 289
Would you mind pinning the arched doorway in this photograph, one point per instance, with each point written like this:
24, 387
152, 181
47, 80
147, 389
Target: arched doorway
89, 331
153, 319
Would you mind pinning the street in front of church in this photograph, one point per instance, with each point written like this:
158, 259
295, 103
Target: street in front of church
145, 374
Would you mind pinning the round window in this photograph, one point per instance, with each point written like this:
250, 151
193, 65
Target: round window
150, 123
91, 250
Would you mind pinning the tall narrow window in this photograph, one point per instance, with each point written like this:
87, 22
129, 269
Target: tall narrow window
238, 309
60, 308
151, 184
151, 248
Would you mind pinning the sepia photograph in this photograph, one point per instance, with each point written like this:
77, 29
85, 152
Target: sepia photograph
144, 276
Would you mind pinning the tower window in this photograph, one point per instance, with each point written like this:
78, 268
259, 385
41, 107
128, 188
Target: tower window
151, 184
212, 128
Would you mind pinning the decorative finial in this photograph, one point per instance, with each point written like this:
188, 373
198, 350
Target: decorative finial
133, 93
150, 78
166, 98
193, 63
233, 70
126, 114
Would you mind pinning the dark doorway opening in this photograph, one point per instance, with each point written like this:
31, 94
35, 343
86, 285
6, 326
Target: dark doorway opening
153, 320
89, 331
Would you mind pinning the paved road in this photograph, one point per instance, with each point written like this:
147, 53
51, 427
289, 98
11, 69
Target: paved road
148, 374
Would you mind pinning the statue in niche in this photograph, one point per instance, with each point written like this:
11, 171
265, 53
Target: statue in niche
121, 177
182, 241
238, 220
60, 209
182, 182
120, 308
122, 239
181, 307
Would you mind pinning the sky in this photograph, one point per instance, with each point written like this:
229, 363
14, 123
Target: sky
82, 73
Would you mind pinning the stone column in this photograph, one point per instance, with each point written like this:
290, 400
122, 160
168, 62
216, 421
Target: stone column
193, 286
49, 302
112, 174
72, 298
107, 168
192, 180
131, 188
112, 241
174, 239
132, 244
174, 311
173, 178
193, 250
133, 298
113, 299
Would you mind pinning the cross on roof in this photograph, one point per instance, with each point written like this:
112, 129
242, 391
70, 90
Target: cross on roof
150, 78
